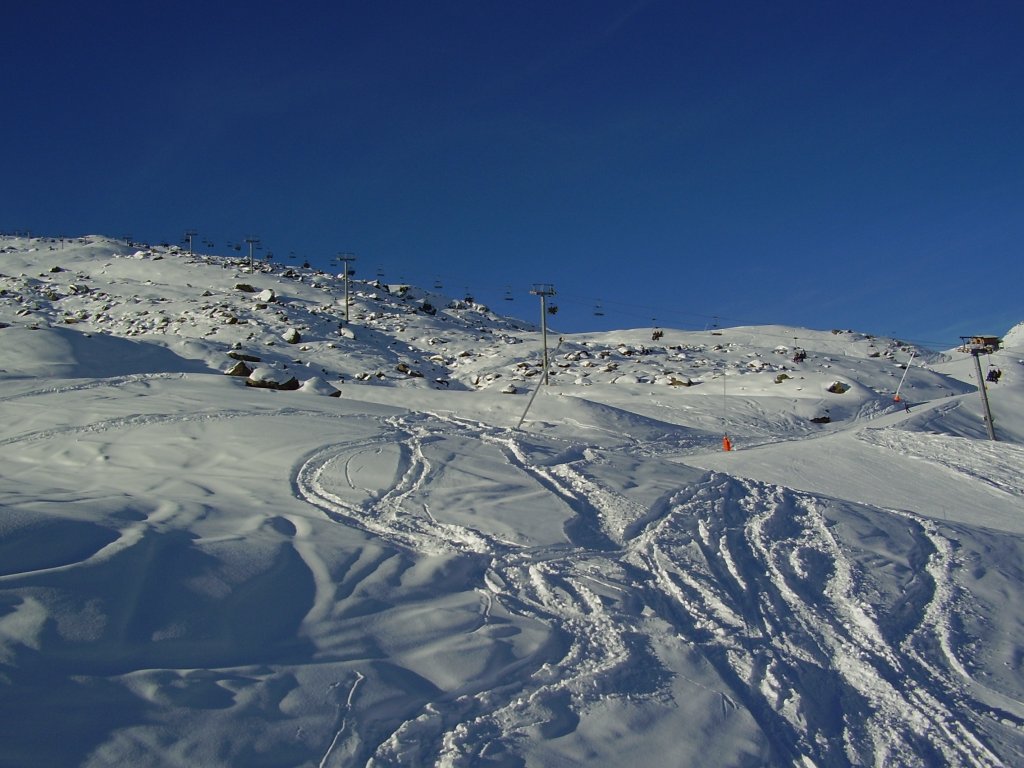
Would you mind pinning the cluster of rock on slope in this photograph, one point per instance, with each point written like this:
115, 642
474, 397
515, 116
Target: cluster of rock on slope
281, 326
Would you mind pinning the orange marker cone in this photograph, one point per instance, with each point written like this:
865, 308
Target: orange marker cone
726, 444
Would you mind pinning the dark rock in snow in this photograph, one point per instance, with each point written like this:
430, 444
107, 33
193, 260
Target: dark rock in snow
269, 378
236, 355
239, 369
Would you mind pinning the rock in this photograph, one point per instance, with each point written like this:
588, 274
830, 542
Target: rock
404, 368
245, 288
837, 387
236, 355
267, 296
270, 378
239, 369
292, 336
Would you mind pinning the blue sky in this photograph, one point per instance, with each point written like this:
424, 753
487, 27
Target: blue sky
825, 164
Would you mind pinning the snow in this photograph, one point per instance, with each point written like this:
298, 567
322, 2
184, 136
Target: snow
193, 571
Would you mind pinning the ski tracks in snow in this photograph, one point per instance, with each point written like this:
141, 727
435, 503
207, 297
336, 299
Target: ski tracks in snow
995, 464
554, 584
753, 575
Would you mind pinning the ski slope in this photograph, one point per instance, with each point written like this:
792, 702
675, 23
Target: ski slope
195, 571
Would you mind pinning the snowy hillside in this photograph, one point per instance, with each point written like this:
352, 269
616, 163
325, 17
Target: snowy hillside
207, 560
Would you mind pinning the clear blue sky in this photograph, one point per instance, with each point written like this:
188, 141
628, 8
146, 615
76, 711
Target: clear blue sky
828, 164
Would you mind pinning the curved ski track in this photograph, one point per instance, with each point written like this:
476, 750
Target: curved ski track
751, 574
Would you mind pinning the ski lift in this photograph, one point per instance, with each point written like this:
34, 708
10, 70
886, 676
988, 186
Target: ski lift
508, 295
552, 309
978, 344
598, 312
993, 372
438, 285
657, 334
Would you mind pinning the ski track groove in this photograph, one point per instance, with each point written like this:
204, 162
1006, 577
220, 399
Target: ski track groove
735, 600
995, 464
155, 419
728, 563
85, 385
545, 589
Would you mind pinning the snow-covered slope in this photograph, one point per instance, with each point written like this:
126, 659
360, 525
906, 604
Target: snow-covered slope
196, 571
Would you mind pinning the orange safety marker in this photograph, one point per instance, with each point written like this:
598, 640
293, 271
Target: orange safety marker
726, 443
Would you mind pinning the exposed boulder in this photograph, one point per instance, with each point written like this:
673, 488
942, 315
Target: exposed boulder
292, 336
239, 369
236, 355
412, 373
271, 378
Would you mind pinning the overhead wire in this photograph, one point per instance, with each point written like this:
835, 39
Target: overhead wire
645, 314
